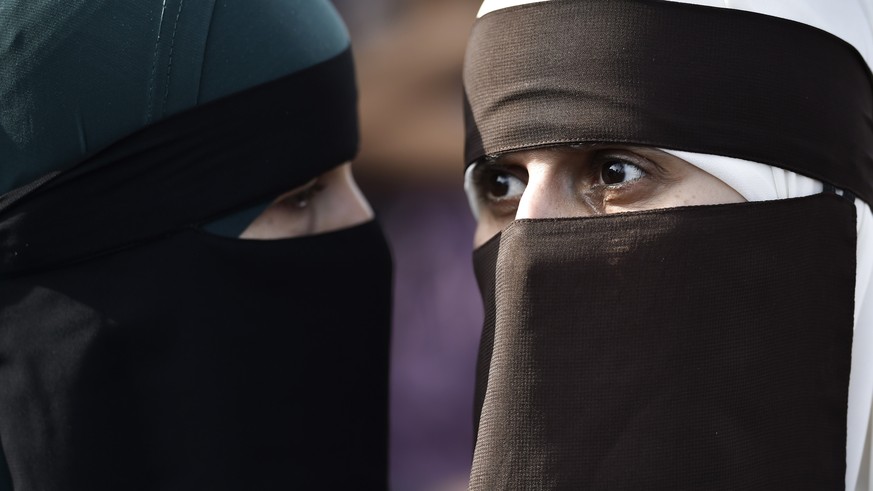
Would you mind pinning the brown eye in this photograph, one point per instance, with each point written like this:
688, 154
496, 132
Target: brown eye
619, 171
496, 184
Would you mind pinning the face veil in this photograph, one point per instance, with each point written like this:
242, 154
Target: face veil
137, 350
704, 347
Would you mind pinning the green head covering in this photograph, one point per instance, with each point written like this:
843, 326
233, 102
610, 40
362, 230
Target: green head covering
76, 76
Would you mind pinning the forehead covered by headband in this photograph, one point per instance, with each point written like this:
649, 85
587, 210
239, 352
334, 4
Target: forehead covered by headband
190, 168
76, 77
209, 114
671, 75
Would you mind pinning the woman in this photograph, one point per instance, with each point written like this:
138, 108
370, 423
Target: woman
145, 342
704, 340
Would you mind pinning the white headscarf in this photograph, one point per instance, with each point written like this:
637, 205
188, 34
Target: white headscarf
851, 20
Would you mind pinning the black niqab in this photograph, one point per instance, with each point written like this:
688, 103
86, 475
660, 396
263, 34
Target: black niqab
139, 352
666, 350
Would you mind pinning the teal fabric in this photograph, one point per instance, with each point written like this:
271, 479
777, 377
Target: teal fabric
250, 45
234, 224
247, 47
78, 75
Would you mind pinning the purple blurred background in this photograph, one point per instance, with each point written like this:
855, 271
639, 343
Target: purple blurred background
409, 55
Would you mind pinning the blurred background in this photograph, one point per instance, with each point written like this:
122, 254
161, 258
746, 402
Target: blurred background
409, 55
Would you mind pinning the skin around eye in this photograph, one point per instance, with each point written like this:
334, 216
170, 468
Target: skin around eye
619, 172
624, 179
499, 185
301, 196
587, 179
331, 201
498, 189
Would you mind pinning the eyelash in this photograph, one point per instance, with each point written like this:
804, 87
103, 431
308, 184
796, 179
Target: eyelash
601, 163
487, 170
301, 198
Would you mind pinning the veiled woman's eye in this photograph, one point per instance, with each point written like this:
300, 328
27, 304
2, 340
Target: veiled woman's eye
619, 171
499, 185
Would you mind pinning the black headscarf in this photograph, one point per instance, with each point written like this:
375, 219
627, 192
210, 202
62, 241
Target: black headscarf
138, 351
699, 347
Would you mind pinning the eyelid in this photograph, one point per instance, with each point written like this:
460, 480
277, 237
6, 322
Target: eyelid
480, 168
479, 193
297, 190
484, 170
302, 193
646, 164
650, 170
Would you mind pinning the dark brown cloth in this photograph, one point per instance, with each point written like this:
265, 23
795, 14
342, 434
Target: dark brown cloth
682, 349
675, 76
